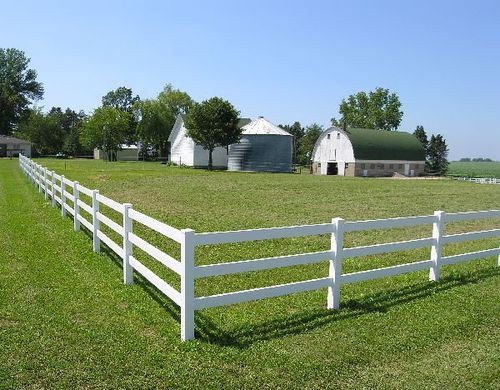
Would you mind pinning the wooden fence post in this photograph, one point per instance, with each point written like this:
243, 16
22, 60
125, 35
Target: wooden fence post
437, 247
128, 271
335, 271
53, 190
63, 197
76, 208
187, 284
46, 195
96, 242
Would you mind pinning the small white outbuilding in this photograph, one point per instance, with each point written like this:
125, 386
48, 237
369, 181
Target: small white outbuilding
126, 153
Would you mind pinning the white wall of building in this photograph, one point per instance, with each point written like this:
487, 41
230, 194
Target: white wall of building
181, 146
333, 146
183, 149
128, 153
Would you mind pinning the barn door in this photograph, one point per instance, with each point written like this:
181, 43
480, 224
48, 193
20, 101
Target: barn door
332, 169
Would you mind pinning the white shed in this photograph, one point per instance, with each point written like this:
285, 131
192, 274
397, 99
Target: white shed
126, 153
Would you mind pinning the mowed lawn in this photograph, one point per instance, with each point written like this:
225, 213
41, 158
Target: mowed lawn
67, 321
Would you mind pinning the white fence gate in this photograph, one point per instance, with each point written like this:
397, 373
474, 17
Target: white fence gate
54, 186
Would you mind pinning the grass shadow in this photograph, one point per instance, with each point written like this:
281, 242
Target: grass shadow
112, 255
163, 301
244, 337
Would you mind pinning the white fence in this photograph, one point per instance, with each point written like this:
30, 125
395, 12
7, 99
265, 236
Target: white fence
54, 187
480, 180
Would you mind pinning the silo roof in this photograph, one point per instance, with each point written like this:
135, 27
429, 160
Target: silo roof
262, 126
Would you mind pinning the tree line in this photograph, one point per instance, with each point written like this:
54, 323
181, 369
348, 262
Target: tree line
125, 118
475, 159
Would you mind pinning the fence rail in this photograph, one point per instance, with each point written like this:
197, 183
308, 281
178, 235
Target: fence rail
61, 190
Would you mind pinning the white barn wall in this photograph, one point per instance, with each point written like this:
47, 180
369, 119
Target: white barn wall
334, 150
183, 150
181, 146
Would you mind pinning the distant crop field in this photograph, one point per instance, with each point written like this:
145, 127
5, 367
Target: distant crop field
68, 321
474, 169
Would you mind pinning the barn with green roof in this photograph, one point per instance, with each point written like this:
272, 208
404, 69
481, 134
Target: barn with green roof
367, 152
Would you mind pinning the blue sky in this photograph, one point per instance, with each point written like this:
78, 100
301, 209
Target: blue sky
287, 60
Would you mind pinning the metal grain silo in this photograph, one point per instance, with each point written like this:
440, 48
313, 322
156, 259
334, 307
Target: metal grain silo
263, 147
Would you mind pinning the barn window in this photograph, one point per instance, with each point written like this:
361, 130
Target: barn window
400, 166
391, 166
372, 166
328, 136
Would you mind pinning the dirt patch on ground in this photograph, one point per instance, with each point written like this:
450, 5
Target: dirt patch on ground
401, 176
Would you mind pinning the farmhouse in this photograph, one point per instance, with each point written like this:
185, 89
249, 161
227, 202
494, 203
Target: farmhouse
263, 147
366, 152
11, 146
126, 153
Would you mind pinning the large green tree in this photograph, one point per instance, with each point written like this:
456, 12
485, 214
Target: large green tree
212, 123
54, 132
311, 135
378, 109
106, 129
124, 100
437, 153
297, 131
18, 88
43, 131
421, 135
72, 123
157, 117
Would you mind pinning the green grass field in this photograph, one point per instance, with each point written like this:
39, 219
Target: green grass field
67, 321
474, 169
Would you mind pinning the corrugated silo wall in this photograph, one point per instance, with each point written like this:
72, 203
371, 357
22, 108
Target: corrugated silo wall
261, 153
